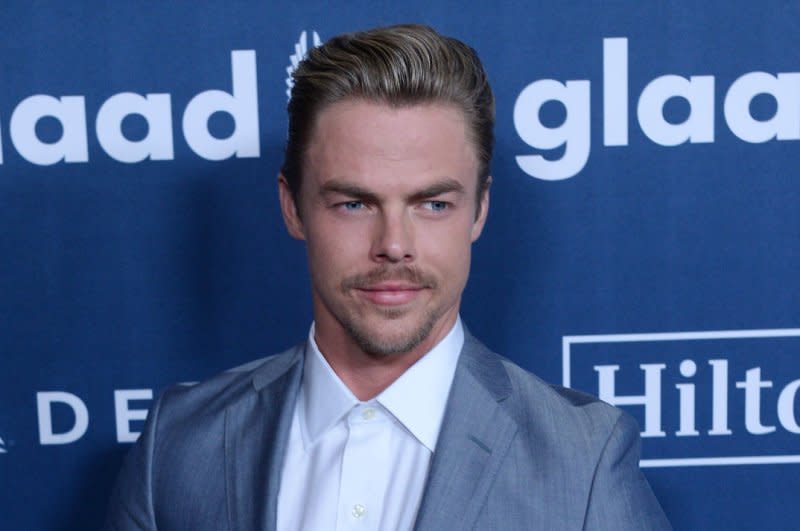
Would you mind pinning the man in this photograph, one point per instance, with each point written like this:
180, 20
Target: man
390, 416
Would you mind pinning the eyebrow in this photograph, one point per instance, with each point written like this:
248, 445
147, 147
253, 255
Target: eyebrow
351, 190
445, 185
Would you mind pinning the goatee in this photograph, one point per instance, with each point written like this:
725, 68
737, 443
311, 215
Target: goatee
374, 342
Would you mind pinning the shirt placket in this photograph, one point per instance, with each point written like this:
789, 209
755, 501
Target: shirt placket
365, 469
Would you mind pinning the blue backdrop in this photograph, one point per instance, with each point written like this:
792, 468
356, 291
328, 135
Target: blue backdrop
642, 242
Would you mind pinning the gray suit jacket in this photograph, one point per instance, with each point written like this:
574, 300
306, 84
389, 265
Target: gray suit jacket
513, 453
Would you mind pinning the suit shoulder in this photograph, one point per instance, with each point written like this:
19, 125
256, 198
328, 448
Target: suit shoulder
563, 408
209, 397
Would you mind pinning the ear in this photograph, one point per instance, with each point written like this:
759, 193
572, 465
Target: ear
480, 220
291, 215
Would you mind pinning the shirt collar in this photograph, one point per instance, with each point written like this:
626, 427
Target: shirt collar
417, 399
324, 398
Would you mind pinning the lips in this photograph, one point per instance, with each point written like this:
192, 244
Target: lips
391, 293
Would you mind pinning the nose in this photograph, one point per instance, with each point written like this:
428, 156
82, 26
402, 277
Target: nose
393, 240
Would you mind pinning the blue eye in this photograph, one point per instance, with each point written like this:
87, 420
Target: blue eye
436, 206
353, 205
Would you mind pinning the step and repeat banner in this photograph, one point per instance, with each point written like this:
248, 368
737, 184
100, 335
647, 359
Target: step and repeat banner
643, 242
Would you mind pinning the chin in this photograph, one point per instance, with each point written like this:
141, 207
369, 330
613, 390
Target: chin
387, 338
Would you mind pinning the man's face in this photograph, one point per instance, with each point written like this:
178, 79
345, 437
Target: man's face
387, 208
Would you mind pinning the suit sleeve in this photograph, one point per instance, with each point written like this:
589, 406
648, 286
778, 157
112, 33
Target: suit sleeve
131, 503
620, 497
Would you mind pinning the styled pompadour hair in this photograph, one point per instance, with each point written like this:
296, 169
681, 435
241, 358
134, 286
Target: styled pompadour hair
399, 66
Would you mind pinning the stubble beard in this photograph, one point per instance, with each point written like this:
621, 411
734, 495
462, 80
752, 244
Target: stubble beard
373, 342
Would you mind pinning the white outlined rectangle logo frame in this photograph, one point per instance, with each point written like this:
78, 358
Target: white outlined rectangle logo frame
568, 341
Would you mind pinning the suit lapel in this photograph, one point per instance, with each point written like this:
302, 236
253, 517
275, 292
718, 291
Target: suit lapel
256, 434
476, 433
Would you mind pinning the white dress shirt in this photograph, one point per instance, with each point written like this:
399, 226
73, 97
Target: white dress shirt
363, 465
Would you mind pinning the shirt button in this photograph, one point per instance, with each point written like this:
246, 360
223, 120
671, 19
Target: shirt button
359, 510
368, 413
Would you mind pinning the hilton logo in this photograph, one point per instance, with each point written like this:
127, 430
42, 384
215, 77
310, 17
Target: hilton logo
703, 398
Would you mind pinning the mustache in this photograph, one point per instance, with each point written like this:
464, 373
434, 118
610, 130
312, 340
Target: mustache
408, 274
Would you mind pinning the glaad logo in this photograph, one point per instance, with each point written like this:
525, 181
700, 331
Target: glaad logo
300, 53
703, 398
574, 133
2, 447
70, 111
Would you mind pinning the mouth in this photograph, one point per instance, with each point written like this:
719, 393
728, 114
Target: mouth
391, 293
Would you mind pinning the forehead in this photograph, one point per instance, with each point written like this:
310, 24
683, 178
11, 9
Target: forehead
373, 143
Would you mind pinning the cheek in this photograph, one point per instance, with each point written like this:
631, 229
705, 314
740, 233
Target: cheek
335, 249
447, 248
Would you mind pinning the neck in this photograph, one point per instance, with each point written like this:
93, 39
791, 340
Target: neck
367, 375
